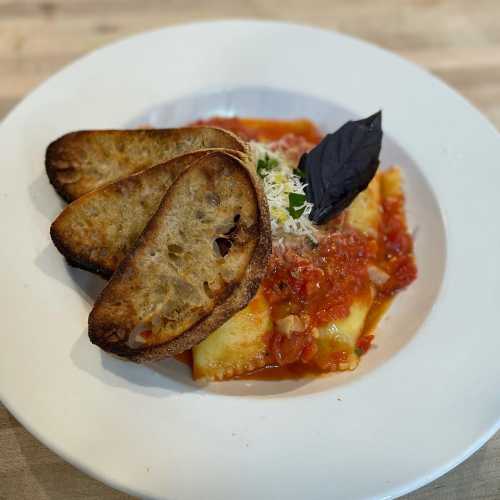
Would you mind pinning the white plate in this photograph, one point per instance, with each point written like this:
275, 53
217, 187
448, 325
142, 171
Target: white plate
420, 403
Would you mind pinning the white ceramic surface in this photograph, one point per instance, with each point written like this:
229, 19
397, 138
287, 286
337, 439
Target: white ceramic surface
420, 402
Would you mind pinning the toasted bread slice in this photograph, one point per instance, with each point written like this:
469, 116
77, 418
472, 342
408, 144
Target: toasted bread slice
80, 162
97, 230
199, 260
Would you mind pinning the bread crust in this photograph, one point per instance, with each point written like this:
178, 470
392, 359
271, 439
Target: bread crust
103, 329
81, 161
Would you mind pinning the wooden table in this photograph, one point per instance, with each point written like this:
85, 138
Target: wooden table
457, 40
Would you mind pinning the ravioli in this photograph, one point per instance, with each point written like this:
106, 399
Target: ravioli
392, 183
364, 212
337, 340
238, 346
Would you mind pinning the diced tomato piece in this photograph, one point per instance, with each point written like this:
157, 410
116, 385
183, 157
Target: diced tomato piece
289, 349
309, 352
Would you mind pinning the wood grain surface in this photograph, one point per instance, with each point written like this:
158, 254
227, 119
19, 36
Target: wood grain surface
458, 41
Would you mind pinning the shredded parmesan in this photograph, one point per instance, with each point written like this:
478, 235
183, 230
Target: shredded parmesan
279, 181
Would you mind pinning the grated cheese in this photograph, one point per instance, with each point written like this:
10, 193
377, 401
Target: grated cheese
279, 182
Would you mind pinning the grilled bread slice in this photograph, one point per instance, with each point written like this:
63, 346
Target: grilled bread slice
80, 162
97, 230
199, 260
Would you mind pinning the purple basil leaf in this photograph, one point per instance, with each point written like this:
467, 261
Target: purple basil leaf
341, 166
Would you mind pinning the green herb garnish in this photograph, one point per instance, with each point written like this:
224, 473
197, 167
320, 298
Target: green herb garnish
296, 204
265, 164
359, 351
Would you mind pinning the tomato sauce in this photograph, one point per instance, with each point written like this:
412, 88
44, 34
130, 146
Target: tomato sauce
323, 282
318, 286
396, 247
263, 130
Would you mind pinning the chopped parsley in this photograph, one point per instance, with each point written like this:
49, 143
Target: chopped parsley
296, 204
265, 164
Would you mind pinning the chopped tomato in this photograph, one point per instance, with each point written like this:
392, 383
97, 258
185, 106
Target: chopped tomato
396, 246
290, 349
323, 282
309, 352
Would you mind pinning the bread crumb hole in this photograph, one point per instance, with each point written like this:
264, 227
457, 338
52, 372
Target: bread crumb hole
223, 246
